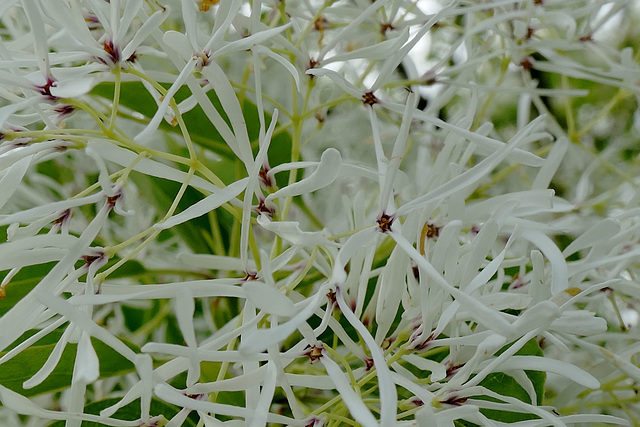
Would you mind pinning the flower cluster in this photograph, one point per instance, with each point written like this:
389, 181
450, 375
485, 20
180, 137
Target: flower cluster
319, 213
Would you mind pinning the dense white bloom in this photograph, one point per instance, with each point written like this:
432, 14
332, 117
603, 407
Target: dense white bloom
318, 213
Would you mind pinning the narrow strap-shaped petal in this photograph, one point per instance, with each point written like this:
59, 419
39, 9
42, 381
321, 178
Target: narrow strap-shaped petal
252, 186
52, 361
205, 205
268, 299
12, 178
326, 172
266, 396
130, 11
39, 35
257, 341
151, 24
338, 79
354, 403
87, 366
388, 392
282, 61
291, 232
397, 154
254, 40
219, 81
224, 17
171, 395
144, 136
123, 157
559, 272
473, 175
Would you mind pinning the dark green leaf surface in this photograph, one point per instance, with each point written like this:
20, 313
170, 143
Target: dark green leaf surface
130, 412
20, 368
134, 96
506, 385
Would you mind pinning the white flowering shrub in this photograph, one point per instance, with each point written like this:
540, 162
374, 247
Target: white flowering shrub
307, 213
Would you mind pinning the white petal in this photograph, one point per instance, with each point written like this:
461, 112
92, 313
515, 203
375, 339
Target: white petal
559, 273
355, 242
144, 367
103, 177
282, 61
337, 79
29, 215
184, 309
546, 364
484, 315
551, 164
83, 321
73, 23
153, 124
22, 405
388, 392
326, 172
12, 178
52, 361
151, 24
582, 419
198, 288
213, 262
209, 203
600, 231
87, 366
225, 14
7, 110
124, 157
354, 23
73, 88
380, 50
253, 40
257, 341
171, 395
392, 285
354, 403
266, 397
486, 145
229, 100
438, 371
39, 35
261, 157
178, 41
189, 16
579, 322
291, 232
268, 299
6, 5
130, 11
398, 152
472, 176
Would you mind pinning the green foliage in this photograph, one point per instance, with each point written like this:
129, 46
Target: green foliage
21, 284
160, 194
134, 96
130, 412
30, 276
506, 385
24, 365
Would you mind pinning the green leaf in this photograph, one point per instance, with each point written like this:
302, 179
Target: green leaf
22, 366
131, 412
134, 96
160, 193
506, 385
22, 284
30, 276
197, 233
